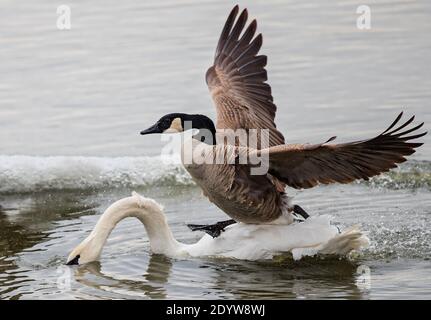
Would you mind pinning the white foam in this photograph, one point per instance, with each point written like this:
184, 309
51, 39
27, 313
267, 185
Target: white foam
31, 173
19, 174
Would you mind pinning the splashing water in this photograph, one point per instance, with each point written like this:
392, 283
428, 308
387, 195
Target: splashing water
22, 174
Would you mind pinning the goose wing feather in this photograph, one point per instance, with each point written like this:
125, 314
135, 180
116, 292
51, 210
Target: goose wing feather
305, 165
237, 80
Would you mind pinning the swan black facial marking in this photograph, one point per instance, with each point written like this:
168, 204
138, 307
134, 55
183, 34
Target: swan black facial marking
74, 261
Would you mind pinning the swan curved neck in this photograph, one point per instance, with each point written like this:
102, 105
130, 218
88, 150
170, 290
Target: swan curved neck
149, 213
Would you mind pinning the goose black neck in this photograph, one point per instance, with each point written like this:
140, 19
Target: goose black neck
205, 126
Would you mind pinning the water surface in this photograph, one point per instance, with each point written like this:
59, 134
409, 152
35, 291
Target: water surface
72, 103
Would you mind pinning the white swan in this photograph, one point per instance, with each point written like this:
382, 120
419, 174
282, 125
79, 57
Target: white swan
240, 241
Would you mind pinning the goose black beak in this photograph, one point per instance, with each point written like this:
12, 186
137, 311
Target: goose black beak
153, 129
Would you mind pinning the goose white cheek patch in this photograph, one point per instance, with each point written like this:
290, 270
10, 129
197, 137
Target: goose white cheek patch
175, 127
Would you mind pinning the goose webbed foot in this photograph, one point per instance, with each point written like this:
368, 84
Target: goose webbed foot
214, 230
298, 210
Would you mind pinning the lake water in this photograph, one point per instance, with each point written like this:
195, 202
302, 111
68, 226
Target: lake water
72, 103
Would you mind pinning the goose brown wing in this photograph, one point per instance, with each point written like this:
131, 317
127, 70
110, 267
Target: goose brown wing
305, 166
237, 80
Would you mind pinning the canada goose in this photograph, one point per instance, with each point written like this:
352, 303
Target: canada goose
240, 241
243, 101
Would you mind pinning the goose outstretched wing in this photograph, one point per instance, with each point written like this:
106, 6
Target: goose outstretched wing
237, 80
304, 165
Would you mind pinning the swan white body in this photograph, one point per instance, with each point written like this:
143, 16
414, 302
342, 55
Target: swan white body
240, 241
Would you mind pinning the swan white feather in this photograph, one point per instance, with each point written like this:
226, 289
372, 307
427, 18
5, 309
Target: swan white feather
240, 241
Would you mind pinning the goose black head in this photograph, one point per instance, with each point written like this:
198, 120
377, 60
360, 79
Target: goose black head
179, 122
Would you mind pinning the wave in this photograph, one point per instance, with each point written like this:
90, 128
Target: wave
410, 175
24, 174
